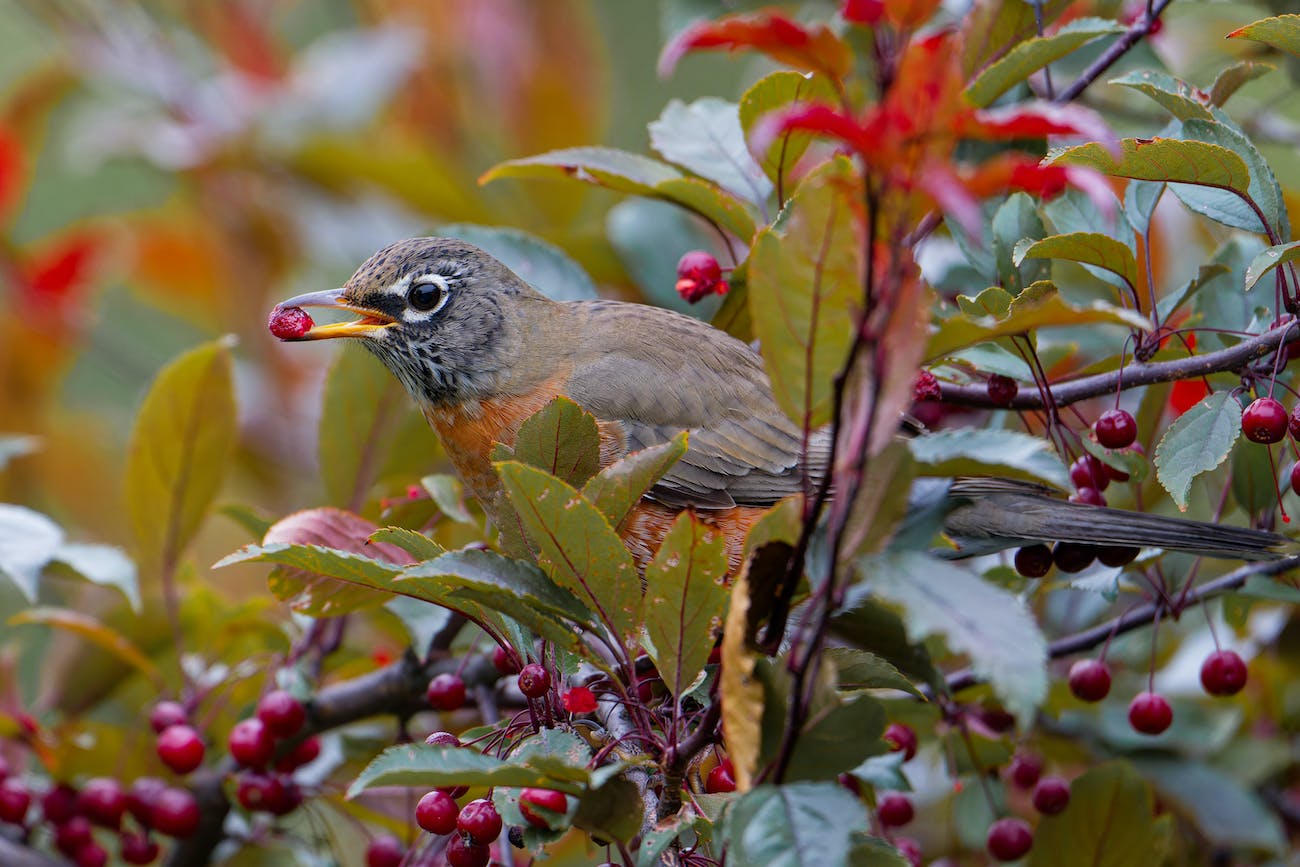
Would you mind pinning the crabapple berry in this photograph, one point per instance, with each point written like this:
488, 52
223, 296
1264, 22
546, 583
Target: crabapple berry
901, 738
1034, 561
385, 851
504, 661
547, 799
1264, 421
698, 275
895, 810
446, 692
462, 853
909, 849
91, 855
1089, 496
102, 801
250, 743
166, 714
1223, 673
59, 804
480, 820
1293, 422
1009, 839
926, 387
141, 797
1089, 472
436, 812
306, 752
1089, 680
138, 848
1116, 555
1116, 429
1073, 557
281, 713
1150, 713
289, 323
15, 800
1051, 795
722, 778
180, 748
176, 812
1025, 769
534, 680
1002, 390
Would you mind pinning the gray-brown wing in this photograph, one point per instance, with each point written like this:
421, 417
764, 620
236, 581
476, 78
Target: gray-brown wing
666, 373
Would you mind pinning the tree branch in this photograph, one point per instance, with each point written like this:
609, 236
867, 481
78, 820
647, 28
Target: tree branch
1135, 33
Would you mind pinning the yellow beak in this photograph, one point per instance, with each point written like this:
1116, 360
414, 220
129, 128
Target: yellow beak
370, 321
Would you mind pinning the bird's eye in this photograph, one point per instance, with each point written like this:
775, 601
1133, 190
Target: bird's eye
427, 295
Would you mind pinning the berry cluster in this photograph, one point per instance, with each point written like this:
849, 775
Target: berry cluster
699, 275
264, 785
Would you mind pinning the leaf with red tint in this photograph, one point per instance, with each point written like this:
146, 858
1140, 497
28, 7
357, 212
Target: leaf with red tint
11, 170
245, 39
62, 269
813, 48
817, 119
862, 11
579, 700
1038, 120
1186, 394
909, 14
957, 202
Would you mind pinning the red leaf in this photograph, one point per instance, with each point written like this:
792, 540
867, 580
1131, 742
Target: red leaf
1039, 120
862, 11
60, 271
814, 48
910, 14
818, 119
1186, 394
579, 700
951, 195
335, 528
11, 170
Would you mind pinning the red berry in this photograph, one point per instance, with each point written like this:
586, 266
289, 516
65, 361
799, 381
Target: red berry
180, 748
15, 800
462, 853
1116, 555
1002, 389
1293, 422
1088, 472
534, 680
698, 275
1116, 429
1088, 496
59, 804
1264, 421
480, 820
895, 810
1072, 557
1089, 680
289, 323
306, 752
138, 848
91, 855
446, 692
436, 812
721, 779
250, 743
505, 661
547, 799
1223, 673
385, 851
1150, 713
926, 387
281, 713
142, 796
902, 739
71, 835
1051, 795
1034, 561
1025, 769
283, 795
102, 801
1295, 477
442, 739
909, 849
1009, 839
176, 812
166, 714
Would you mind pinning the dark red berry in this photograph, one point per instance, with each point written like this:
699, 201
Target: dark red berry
698, 275
283, 795
71, 835
385, 851
910, 850
1293, 422
480, 820
142, 796
176, 812
91, 855
504, 661
1051, 795
166, 714
1009, 839
250, 743
926, 387
289, 323
1088, 496
446, 692
1025, 769
1002, 390
895, 810
281, 713
1264, 421
1089, 680
1034, 561
462, 853
59, 804
902, 739
15, 800
436, 812
1116, 429
546, 799
442, 739
1150, 713
1223, 673
138, 848
1088, 472
251, 790
1295, 477
721, 779
180, 748
534, 680
1072, 557
102, 801
304, 753
1116, 555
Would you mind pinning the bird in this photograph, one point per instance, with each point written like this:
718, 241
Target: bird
480, 351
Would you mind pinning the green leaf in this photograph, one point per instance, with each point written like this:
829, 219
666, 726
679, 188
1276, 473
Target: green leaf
448, 494
427, 767
1228, 815
869, 625
783, 89
792, 825
418, 545
1266, 261
1197, 442
96, 632
1163, 159
804, 290
987, 623
611, 811
318, 560
657, 839
103, 565
560, 438
705, 137
15, 446
1140, 200
1281, 32
1110, 823
544, 266
622, 484
421, 620
1031, 55
28, 542
686, 594
1176, 97
1087, 248
183, 435
1231, 79
576, 546
973, 452
1016, 220
361, 403
1230, 208
1129, 461
609, 167
837, 738
861, 669
710, 202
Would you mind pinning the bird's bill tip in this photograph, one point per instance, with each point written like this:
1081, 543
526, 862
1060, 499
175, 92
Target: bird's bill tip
370, 321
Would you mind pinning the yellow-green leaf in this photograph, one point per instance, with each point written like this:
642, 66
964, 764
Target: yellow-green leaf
1269, 259
1163, 159
560, 438
1087, 248
1031, 55
1281, 31
783, 89
94, 631
362, 402
620, 486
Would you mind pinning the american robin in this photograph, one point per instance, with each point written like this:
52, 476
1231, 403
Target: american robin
480, 351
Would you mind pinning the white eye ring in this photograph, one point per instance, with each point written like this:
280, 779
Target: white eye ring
417, 296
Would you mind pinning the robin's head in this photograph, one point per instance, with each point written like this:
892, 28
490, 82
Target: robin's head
436, 311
